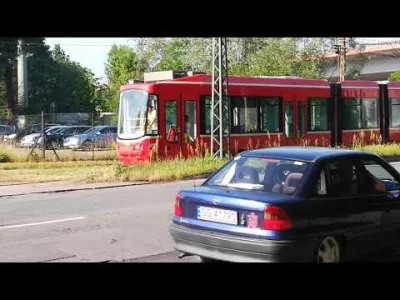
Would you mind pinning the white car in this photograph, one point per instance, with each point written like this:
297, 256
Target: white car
29, 140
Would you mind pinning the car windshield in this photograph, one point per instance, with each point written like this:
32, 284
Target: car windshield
132, 113
53, 130
91, 130
264, 174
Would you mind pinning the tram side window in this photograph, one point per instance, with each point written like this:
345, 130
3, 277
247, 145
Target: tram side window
360, 113
270, 114
152, 115
301, 119
244, 114
394, 112
171, 121
190, 121
317, 114
248, 114
370, 113
205, 113
254, 114
351, 113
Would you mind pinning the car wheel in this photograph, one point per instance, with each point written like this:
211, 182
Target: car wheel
86, 145
329, 250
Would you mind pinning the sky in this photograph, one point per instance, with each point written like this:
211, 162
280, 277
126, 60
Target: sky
89, 52
92, 52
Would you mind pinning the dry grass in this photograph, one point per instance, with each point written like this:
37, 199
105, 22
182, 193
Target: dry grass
80, 166
13, 154
383, 150
167, 170
50, 171
107, 171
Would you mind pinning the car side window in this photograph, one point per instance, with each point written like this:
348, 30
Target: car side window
81, 130
113, 130
338, 178
377, 178
321, 183
68, 131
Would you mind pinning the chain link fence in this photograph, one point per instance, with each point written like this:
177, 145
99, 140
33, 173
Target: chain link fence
59, 136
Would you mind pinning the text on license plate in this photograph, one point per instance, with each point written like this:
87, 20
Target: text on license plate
217, 215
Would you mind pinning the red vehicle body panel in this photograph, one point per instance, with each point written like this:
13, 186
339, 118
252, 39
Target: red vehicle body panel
293, 91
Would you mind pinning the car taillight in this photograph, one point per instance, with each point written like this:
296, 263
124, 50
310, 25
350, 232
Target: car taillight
178, 209
276, 218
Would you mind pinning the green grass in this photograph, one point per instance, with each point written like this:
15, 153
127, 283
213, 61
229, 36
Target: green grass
107, 171
53, 165
168, 170
51, 171
9, 153
383, 150
112, 170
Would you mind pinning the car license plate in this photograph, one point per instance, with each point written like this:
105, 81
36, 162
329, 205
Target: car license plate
217, 215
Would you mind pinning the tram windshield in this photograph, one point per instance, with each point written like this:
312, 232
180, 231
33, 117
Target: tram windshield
137, 114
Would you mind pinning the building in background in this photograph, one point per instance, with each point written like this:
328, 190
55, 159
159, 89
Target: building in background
380, 62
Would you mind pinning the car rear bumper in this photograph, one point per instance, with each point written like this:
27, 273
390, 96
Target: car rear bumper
240, 249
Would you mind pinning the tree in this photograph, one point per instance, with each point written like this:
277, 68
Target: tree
247, 56
150, 51
122, 65
52, 78
55, 79
8, 53
175, 55
395, 75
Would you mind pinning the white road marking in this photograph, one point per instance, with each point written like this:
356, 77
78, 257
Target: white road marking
40, 223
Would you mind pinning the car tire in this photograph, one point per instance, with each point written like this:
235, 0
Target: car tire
329, 250
87, 145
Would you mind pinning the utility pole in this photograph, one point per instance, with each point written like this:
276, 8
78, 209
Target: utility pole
22, 76
220, 111
342, 58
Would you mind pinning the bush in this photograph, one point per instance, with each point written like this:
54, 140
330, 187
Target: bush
4, 157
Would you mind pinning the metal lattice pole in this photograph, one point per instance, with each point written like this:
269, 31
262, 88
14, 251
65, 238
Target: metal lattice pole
219, 98
342, 59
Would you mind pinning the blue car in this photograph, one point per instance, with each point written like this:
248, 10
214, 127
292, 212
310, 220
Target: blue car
291, 204
94, 138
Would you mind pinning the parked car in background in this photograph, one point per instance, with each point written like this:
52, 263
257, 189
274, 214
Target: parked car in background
36, 128
30, 140
6, 130
55, 139
96, 137
291, 204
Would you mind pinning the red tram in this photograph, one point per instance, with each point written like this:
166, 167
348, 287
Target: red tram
168, 118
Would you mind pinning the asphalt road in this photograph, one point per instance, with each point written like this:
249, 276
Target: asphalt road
88, 226
128, 224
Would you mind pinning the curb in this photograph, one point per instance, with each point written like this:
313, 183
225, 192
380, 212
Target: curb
76, 189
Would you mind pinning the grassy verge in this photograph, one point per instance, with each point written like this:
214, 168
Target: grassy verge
107, 171
382, 150
111, 171
13, 154
158, 171
51, 171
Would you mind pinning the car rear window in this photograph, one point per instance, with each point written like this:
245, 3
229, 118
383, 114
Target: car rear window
256, 173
